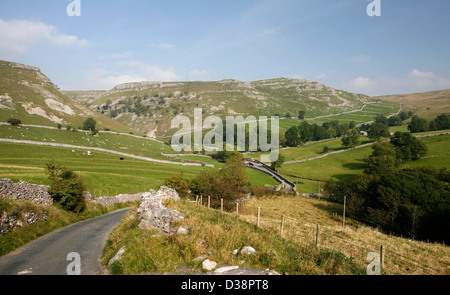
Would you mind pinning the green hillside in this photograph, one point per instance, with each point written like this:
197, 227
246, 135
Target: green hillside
29, 95
149, 107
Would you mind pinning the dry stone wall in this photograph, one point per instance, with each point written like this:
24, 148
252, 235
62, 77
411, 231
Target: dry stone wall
13, 220
24, 191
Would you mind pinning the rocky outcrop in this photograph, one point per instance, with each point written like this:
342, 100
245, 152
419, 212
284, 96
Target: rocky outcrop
153, 214
122, 198
24, 191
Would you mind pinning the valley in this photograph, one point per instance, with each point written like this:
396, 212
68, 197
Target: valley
129, 152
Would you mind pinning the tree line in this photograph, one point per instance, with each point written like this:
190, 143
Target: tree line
418, 124
412, 202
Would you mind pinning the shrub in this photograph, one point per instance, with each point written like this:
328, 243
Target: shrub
14, 121
178, 183
67, 188
89, 124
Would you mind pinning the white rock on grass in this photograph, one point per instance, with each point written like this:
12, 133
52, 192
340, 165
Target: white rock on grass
182, 231
247, 250
118, 256
209, 265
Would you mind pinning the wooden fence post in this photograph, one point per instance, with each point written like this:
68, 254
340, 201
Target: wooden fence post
201, 200
259, 216
317, 235
209, 202
221, 204
381, 259
196, 200
343, 215
237, 208
282, 225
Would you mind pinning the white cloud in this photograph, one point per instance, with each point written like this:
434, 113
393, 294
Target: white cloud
197, 74
18, 36
414, 81
155, 73
132, 71
112, 81
362, 83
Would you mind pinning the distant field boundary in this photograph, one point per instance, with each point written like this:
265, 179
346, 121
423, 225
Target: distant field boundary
100, 131
359, 146
96, 149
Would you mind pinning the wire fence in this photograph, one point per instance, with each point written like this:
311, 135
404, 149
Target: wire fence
355, 242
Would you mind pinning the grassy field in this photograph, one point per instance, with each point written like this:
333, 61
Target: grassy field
102, 172
344, 166
355, 241
139, 146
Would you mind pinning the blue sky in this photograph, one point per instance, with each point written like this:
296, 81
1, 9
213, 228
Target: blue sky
406, 49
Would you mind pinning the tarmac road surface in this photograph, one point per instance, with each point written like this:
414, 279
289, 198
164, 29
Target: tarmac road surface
49, 255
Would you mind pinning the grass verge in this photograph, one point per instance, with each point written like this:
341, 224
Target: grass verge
216, 235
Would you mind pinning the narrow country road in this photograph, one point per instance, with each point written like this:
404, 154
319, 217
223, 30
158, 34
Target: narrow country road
48, 254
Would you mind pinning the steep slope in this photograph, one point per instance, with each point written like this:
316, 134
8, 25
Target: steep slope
150, 106
29, 95
426, 104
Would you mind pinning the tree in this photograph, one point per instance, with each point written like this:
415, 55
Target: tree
301, 115
351, 125
408, 147
378, 130
67, 188
278, 163
442, 122
228, 183
292, 137
89, 124
350, 138
381, 119
418, 125
395, 121
383, 159
223, 156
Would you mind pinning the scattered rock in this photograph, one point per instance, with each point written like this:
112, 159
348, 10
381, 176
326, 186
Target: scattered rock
208, 265
247, 250
181, 231
200, 258
236, 270
118, 256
